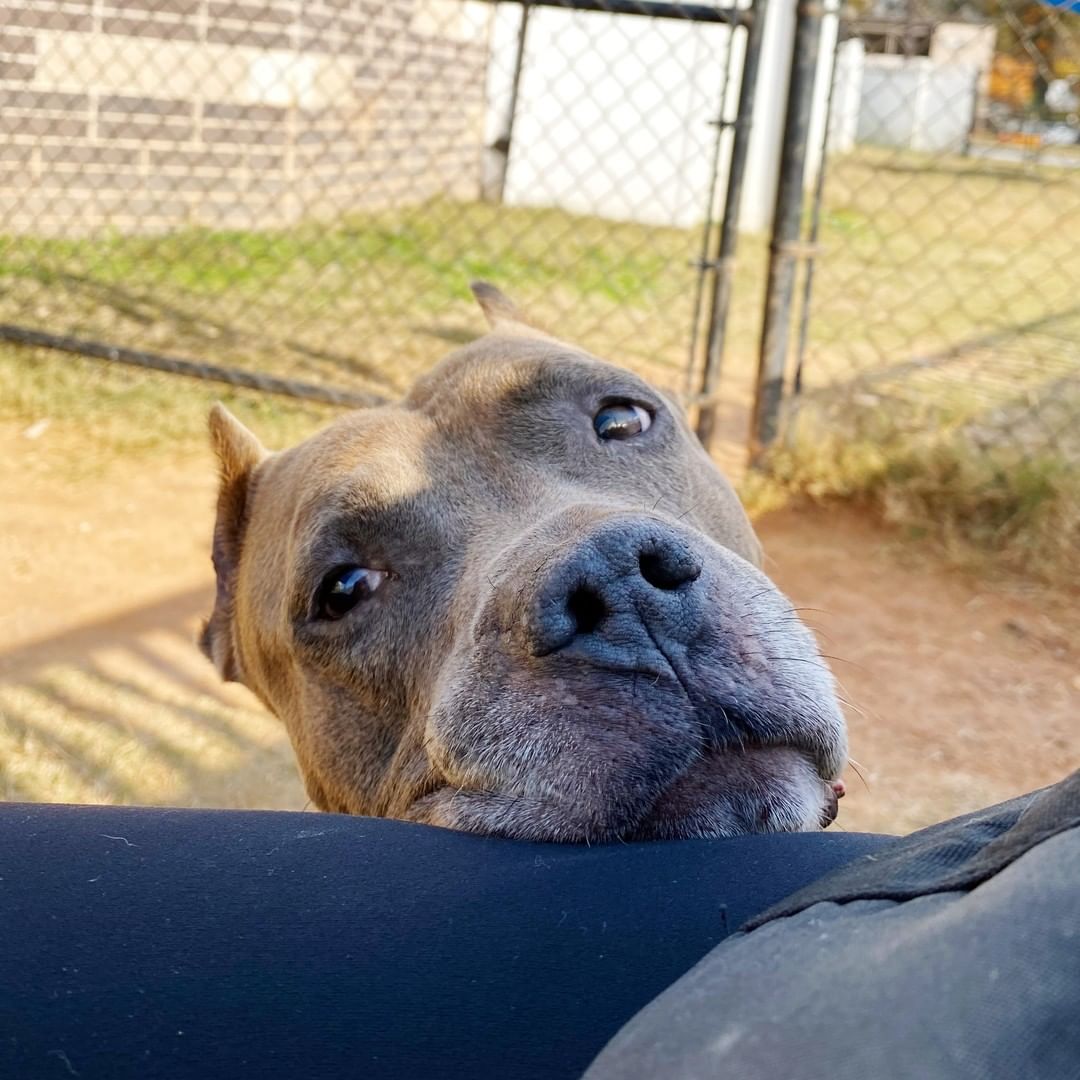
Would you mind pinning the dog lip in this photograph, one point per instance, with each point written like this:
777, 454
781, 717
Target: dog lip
739, 735
811, 749
832, 804
585, 665
654, 814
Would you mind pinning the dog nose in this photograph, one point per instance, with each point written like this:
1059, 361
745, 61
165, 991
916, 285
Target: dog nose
616, 581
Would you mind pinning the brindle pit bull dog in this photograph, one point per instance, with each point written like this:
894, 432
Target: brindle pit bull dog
522, 602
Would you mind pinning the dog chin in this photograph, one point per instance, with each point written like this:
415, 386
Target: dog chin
783, 792
725, 793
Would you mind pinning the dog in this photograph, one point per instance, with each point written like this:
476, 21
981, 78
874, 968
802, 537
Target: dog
522, 602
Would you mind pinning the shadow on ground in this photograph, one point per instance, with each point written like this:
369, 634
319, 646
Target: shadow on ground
126, 710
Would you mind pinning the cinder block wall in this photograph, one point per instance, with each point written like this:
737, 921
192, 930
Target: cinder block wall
146, 115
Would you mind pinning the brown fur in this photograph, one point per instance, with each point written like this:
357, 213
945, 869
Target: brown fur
481, 495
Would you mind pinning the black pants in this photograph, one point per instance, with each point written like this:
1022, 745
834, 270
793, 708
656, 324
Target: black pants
206, 944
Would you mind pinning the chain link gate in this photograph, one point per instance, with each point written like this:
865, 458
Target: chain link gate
935, 356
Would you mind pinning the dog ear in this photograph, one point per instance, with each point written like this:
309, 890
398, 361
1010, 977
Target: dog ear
238, 452
503, 315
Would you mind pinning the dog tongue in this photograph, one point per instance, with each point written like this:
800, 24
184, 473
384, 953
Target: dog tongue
838, 788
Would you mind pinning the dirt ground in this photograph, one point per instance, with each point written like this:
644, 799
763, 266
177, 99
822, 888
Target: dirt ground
962, 692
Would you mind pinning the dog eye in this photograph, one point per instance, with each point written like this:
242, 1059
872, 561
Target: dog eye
622, 420
342, 589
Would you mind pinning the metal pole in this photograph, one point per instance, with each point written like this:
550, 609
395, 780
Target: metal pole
787, 224
704, 263
729, 226
652, 9
495, 184
815, 217
175, 365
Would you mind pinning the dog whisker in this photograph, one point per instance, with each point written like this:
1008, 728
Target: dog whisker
852, 706
799, 660
857, 769
736, 728
845, 660
795, 619
771, 630
756, 596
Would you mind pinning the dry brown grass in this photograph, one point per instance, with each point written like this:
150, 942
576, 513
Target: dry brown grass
941, 476
127, 711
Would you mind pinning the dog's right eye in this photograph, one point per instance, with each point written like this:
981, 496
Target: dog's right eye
342, 589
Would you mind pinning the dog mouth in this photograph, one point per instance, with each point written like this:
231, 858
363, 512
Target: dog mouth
672, 741
722, 792
835, 790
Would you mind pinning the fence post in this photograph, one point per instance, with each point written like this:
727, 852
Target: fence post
815, 210
786, 230
724, 264
495, 183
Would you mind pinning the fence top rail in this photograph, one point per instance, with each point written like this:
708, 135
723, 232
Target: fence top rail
702, 13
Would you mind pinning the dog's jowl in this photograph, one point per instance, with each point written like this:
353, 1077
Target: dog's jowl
521, 602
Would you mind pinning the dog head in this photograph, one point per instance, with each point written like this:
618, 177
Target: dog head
522, 602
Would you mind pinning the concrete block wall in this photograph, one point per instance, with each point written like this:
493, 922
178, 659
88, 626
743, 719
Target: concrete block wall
148, 115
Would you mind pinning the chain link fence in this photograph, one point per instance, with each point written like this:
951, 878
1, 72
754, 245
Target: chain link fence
294, 194
937, 352
304, 188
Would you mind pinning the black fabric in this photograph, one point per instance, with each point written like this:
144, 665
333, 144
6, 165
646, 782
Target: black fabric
211, 944
953, 955
958, 854
955, 854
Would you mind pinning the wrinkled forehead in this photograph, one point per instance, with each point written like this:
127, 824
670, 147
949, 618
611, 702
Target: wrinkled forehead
362, 465
475, 387
456, 436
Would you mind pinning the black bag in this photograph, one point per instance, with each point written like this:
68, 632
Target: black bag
954, 953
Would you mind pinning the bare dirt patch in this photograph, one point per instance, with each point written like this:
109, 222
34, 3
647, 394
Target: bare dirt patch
964, 691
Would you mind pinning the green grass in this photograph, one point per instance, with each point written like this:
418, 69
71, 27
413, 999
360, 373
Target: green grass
943, 373
101, 416
923, 255
366, 299
530, 247
918, 255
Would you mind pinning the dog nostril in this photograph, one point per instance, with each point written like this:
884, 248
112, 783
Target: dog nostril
667, 573
586, 609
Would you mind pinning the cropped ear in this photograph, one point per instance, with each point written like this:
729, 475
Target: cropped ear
238, 452
503, 315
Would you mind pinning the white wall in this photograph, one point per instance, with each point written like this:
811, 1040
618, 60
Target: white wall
613, 113
847, 96
970, 44
915, 104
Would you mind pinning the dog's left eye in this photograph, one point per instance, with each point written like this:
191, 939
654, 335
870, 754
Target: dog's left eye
342, 589
622, 420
